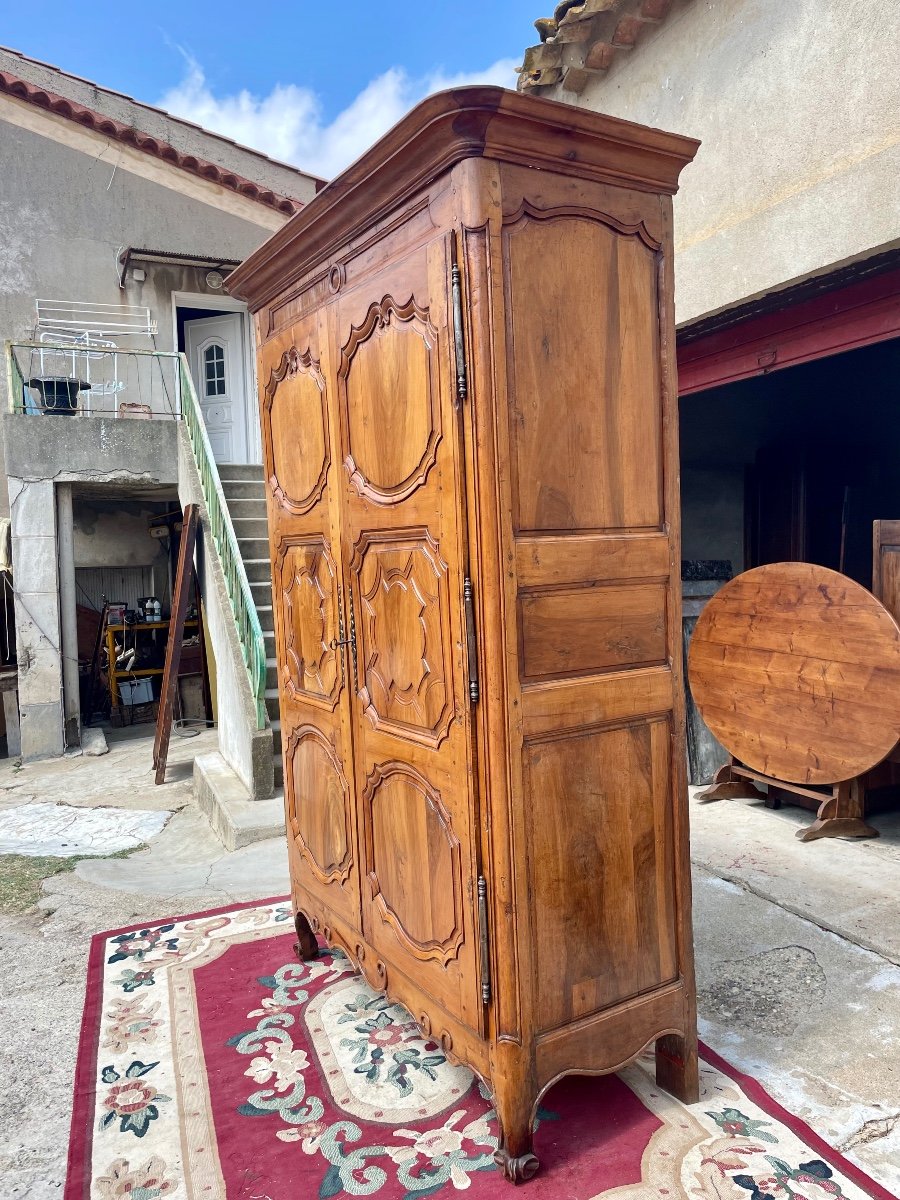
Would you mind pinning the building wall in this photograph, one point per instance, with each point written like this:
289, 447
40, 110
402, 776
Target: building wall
796, 104
69, 201
41, 455
186, 137
72, 199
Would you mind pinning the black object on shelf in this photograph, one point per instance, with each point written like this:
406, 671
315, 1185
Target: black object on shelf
58, 393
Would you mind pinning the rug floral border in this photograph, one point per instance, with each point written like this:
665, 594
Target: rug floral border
84, 1109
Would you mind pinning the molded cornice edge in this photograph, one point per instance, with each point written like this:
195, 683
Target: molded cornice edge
471, 122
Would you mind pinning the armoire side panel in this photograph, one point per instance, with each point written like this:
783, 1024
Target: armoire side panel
587, 435
591, 542
601, 867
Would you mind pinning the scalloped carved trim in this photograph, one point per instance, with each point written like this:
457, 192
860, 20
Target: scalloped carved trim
294, 363
332, 872
441, 949
382, 316
527, 209
412, 696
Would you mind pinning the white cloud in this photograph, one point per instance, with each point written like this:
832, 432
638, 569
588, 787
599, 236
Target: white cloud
288, 123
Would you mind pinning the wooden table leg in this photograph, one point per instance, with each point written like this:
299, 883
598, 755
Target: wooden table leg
726, 785
841, 815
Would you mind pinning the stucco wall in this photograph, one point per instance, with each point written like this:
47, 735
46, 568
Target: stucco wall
66, 212
42, 453
184, 136
796, 104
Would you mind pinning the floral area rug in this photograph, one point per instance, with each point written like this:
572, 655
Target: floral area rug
212, 1064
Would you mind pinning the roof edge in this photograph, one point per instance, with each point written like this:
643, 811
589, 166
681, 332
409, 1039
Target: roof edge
79, 114
164, 112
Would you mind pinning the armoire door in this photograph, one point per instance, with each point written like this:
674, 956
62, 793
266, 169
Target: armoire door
301, 460
405, 551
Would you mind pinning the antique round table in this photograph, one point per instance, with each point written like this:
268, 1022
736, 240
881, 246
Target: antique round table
796, 671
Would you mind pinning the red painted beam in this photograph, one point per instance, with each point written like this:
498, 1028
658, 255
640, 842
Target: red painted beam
843, 319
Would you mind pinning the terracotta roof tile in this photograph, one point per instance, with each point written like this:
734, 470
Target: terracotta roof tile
582, 39
21, 89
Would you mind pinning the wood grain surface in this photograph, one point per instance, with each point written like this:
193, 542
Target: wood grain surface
796, 670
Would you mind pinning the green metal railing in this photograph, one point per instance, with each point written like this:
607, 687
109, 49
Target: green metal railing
246, 619
161, 379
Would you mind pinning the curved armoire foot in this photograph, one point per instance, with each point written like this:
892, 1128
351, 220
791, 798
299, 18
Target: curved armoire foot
516, 1170
306, 946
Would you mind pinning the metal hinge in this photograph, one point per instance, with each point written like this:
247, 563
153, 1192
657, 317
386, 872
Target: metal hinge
471, 644
485, 945
459, 341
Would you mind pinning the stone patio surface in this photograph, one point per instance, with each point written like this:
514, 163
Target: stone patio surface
797, 950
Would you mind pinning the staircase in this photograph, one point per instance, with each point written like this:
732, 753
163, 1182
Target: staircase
244, 489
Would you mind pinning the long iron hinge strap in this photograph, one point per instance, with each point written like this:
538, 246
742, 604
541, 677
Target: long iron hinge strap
462, 383
471, 646
485, 947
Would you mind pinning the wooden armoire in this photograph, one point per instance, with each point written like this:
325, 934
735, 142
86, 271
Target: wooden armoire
469, 420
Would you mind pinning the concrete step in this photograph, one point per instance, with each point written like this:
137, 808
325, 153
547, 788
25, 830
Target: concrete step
271, 673
250, 527
236, 820
242, 471
253, 548
279, 772
243, 489
262, 591
258, 569
276, 736
266, 617
241, 506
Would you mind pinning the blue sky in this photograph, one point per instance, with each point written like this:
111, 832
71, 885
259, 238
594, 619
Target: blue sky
312, 83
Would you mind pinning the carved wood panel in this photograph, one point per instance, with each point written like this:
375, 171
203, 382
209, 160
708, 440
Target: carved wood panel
392, 402
310, 614
404, 634
401, 493
299, 428
412, 861
295, 431
318, 804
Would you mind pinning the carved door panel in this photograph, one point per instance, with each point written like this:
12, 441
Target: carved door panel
301, 462
404, 542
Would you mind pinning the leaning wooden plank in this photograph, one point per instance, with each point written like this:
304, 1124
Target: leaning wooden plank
183, 575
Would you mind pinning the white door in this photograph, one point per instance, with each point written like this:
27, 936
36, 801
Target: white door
215, 350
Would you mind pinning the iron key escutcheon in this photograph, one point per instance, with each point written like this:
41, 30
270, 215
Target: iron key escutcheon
346, 641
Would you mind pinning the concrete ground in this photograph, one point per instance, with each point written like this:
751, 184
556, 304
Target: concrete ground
797, 953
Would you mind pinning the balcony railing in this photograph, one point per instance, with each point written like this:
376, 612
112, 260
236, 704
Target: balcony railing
73, 381
253, 646
94, 380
